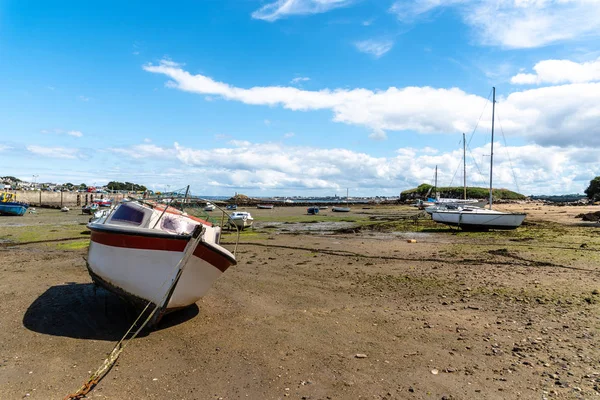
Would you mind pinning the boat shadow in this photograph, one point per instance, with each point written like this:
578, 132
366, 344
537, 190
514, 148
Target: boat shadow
86, 311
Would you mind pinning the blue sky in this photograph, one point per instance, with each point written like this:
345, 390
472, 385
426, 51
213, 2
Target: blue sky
300, 97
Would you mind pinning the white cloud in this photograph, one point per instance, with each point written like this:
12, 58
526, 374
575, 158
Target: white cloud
267, 122
299, 79
560, 71
562, 115
55, 152
240, 143
374, 47
144, 151
4, 147
515, 23
276, 167
73, 133
289, 135
83, 98
147, 140
284, 8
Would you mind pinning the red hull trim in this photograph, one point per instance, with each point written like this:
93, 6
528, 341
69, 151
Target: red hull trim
131, 241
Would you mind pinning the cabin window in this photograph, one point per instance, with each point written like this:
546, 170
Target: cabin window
129, 215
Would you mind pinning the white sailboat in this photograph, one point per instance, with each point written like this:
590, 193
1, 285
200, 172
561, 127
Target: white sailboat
480, 218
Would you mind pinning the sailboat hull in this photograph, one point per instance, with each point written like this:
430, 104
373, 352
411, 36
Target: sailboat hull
479, 219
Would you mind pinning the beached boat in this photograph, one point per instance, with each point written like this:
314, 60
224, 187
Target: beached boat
231, 207
323, 207
312, 210
340, 209
209, 207
10, 206
65, 209
265, 206
241, 219
478, 218
103, 202
89, 208
136, 250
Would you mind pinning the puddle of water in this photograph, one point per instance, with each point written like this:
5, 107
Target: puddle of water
313, 227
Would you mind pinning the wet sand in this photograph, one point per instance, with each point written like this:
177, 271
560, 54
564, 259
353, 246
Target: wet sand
488, 315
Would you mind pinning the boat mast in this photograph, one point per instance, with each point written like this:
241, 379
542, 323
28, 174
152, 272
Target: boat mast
435, 185
464, 167
492, 144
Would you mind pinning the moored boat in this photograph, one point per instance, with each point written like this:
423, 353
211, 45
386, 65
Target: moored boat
241, 219
10, 206
340, 209
89, 208
136, 249
312, 210
472, 218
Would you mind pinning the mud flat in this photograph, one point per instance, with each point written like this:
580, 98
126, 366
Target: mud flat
354, 312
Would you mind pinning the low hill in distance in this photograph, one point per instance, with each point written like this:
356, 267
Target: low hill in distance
456, 192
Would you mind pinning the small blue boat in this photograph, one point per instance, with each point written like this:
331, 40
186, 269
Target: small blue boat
232, 207
10, 206
312, 210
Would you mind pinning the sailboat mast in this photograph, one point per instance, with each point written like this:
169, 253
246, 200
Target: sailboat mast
435, 185
464, 167
492, 144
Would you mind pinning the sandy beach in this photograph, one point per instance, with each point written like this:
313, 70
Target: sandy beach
333, 306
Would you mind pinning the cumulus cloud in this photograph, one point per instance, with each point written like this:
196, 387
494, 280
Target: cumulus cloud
560, 71
284, 8
55, 152
561, 115
75, 133
278, 167
374, 47
515, 23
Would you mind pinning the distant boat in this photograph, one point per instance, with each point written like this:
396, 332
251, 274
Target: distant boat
481, 218
312, 210
241, 219
231, 207
323, 207
103, 202
265, 206
340, 209
89, 208
10, 206
209, 207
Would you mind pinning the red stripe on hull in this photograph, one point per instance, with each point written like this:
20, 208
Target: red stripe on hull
132, 241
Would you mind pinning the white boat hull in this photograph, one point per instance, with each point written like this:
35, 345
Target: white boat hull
142, 267
241, 223
478, 219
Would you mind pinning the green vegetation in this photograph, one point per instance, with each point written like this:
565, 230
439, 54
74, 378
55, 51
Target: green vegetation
457, 192
593, 190
134, 187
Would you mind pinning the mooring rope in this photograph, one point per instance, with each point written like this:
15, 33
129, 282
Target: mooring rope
109, 362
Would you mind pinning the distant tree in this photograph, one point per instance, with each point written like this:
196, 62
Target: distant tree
593, 191
83, 186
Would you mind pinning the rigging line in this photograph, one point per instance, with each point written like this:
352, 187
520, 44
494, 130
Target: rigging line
508, 154
473, 133
475, 161
480, 116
